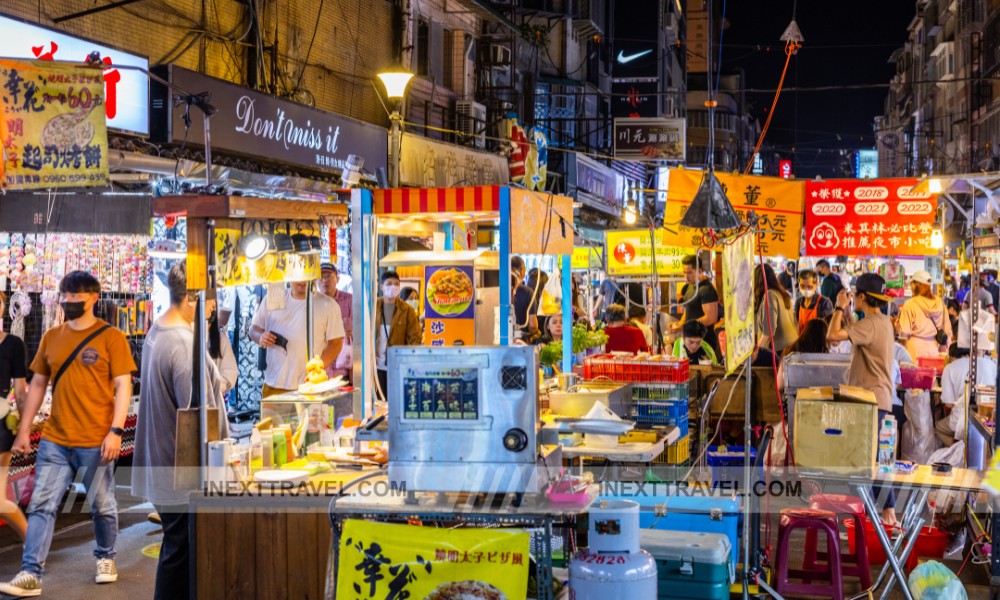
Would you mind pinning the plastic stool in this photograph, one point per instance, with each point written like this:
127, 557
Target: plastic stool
810, 520
853, 564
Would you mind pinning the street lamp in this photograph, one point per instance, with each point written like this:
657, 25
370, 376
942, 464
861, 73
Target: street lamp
395, 81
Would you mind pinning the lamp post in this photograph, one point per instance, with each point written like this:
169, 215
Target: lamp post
395, 81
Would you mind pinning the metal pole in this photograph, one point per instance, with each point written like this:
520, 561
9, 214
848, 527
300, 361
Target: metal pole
208, 152
747, 467
567, 310
395, 133
201, 368
309, 322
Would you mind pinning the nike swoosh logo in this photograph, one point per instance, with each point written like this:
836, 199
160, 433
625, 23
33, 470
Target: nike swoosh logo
622, 59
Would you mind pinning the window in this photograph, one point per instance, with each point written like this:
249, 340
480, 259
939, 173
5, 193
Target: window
423, 48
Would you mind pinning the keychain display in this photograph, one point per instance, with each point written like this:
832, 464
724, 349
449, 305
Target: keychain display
37, 262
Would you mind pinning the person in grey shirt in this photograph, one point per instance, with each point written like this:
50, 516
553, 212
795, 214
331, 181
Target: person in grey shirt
167, 365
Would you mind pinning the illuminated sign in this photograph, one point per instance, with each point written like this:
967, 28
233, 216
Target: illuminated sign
785, 169
126, 91
866, 164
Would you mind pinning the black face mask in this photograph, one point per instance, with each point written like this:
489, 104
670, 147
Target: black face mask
73, 310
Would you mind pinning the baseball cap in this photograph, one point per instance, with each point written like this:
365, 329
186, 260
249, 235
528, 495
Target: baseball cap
872, 285
921, 277
327, 267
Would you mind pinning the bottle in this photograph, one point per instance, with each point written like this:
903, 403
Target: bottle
887, 445
280, 449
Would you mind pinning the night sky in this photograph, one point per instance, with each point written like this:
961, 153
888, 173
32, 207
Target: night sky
846, 43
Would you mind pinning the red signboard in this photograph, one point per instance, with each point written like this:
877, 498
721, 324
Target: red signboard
785, 169
879, 217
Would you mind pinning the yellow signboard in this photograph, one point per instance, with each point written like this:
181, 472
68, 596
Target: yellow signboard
630, 254
781, 200
737, 292
587, 258
52, 128
232, 268
380, 560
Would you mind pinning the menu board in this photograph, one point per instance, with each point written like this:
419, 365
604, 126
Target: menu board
441, 394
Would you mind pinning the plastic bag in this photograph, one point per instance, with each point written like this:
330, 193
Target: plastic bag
778, 451
918, 441
933, 581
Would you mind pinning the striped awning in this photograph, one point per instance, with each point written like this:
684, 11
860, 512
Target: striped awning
407, 201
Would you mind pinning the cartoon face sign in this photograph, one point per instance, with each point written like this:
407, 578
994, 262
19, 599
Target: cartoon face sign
824, 235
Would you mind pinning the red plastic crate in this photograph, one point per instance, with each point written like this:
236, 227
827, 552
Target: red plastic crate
627, 369
917, 378
932, 362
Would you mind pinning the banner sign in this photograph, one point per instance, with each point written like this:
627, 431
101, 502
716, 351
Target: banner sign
540, 223
126, 91
593, 184
232, 268
449, 306
52, 129
779, 199
427, 163
650, 138
630, 254
880, 217
529, 155
254, 124
737, 293
590, 257
381, 560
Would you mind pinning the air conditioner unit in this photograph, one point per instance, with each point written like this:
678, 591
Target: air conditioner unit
470, 121
499, 56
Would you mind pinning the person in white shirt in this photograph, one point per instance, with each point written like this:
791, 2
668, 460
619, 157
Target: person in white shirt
286, 363
953, 390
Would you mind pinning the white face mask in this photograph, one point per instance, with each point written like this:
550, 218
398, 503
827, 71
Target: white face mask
390, 291
808, 293
413, 303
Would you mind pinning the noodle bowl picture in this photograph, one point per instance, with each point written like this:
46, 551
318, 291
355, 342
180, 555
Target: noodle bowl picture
449, 292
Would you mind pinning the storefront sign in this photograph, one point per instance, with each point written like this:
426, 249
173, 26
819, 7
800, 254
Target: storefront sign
233, 268
778, 199
593, 184
662, 139
881, 217
737, 292
52, 129
381, 560
785, 169
255, 124
427, 163
630, 254
126, 95
866, 164
529, 155
449, 306
590, 257
632, 98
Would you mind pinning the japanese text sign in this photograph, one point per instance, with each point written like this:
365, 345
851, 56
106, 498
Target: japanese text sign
650, 138
126, 91
630, 254
737, 293
449, 306
778, 199
392, 562
879, 217
52, 127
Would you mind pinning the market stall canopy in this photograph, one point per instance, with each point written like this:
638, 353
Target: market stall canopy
481, 260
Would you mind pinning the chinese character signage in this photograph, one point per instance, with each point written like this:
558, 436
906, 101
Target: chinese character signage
427, 163
785, 169
529, 155
441, 394
126, 91
590, 257
52, 128
650, 138
593, 184
255, 124
779, 199
880, 217
449, 306
381, 560
233, 268
630, 254
632, 98
737, 293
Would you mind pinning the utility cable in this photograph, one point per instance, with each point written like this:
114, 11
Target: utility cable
791, 47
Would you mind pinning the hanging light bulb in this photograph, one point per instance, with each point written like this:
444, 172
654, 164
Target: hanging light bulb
631, 213
937, 239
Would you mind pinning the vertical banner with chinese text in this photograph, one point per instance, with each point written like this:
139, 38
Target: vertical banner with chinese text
380, 560
737, 292
449, 306
630, 254
781, 200
874, 217
53, 129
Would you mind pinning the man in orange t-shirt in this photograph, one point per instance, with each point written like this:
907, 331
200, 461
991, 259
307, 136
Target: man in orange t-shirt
90, 366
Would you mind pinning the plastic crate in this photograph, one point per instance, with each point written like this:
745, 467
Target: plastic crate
932, 362
661, 391
917, 378
727, 464
660, 408
675, 453
680, 422
629, 369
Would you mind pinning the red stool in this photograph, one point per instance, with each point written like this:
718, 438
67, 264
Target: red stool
852, 564
810, 520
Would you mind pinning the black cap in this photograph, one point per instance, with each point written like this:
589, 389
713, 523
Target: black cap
872, 285
327, 267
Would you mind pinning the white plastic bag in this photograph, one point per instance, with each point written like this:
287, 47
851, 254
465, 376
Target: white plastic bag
601, 412
918, 441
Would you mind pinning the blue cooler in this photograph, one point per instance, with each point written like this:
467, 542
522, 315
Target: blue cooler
693, 512
693, 566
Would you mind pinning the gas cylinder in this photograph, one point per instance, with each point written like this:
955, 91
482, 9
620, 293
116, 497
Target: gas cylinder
613, 567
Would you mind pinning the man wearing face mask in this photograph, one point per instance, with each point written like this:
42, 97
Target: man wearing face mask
810, 304
327, 285
396, 324
89, 364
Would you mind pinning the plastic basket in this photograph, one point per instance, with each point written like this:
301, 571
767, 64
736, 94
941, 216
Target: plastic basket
680, 422
675, 453
661, 391
917, 378
629, 369
932, 362
727, 462
660, 408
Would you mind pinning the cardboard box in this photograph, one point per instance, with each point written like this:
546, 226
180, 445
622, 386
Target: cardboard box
836, 432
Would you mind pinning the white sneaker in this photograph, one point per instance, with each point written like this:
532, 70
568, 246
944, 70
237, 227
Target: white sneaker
106, 571
23, 585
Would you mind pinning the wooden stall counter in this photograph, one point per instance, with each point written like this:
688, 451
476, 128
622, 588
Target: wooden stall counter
252, 541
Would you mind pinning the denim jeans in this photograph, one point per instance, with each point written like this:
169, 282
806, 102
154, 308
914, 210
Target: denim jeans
55, 468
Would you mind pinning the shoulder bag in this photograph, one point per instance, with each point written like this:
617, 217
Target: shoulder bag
75, 352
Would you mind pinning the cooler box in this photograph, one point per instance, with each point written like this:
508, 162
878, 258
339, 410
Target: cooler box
836, 432
690, 565
696, 511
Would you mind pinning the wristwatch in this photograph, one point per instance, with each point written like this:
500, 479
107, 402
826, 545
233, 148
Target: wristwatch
118, 431
836, 308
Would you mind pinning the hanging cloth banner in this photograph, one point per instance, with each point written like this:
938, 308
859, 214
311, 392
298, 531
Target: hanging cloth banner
781, 200
737, 293
52, 130
876, 217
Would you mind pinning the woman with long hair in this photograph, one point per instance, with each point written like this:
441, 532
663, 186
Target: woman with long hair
923, 325
775, 319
